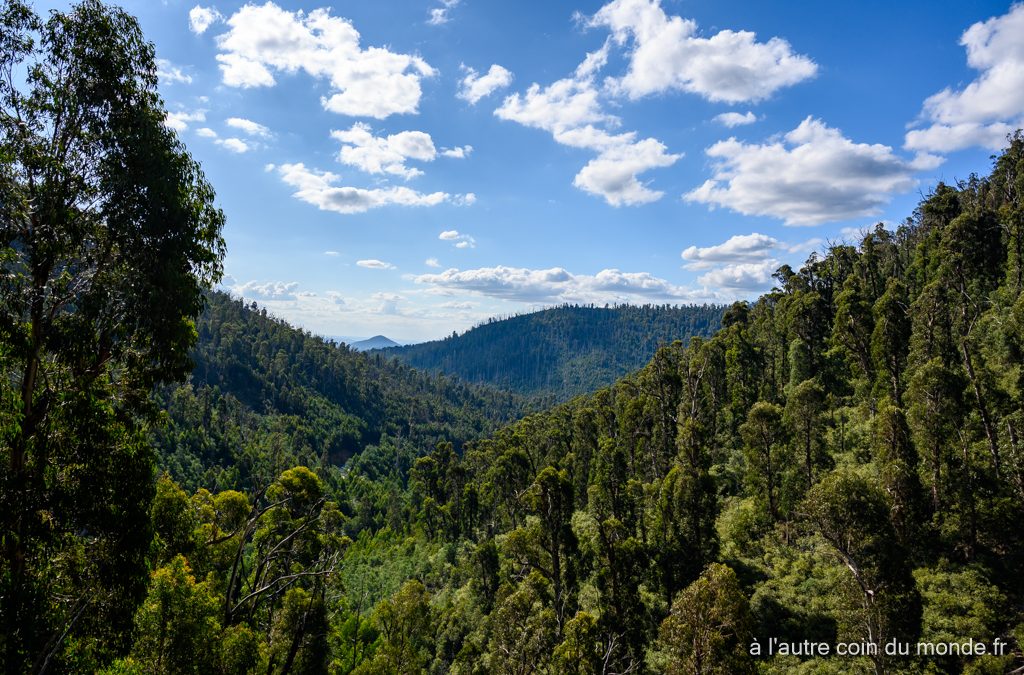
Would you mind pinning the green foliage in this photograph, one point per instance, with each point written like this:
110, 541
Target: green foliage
321, 510
176, 625
560, 352
708, 629
108, 238
265, 396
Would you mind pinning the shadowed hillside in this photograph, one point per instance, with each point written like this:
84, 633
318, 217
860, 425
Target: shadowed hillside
562, 351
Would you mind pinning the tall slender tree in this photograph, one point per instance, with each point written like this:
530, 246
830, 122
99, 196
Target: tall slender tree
108, 238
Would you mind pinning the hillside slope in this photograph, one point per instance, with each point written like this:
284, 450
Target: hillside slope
840, 464
263, 392
562, 351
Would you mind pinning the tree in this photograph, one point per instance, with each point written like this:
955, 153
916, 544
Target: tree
899, 462
108, 238
764, 436
406, 632
890, 340
803, 414
709, 628
852, 515
177, 624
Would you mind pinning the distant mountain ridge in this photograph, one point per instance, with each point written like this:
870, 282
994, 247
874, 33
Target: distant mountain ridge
561, 351
376, 342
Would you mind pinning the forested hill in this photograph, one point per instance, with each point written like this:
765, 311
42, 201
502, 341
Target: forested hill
842, 463
264, 394
561, 351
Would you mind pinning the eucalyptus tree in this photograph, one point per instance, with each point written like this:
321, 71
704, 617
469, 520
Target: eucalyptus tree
108, 238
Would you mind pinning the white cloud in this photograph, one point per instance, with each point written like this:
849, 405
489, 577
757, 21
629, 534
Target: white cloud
668, 53
569, 109
236, 145
989, 107
735, 119
318, 188
388, 154
458, 152
170, 73
372, 82
249, 127
387, 303
271, 290
474, 86
180, 120
556, 285
458, 239
565, 104
748, 277
740, 248
200, 18
432, 262
206, 132
743, 263
613, 173
374, 264
813, 175
440, 15
332, 254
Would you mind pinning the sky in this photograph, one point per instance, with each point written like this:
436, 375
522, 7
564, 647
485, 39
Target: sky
413, 167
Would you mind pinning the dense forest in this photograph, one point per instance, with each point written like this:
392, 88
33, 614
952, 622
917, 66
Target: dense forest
838, 466
563, 351
264, 396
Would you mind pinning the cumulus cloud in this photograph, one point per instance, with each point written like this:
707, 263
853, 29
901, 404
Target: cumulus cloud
458, 239
440, 15
206, 132
180, 120
372, 82
432, 262
571, 111
332, 254
668, 54
271, 290
375, 264
735, 119
741, 248
387, 303
388, 154
989, 107
474, 86
613, 173
236, 145
741, 277
170, 73
249, 127
743, 263
318, 188
556, 285
200, 18
568, 103
812, 175
458, 152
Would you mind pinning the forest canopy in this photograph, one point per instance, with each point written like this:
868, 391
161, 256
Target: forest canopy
189, 485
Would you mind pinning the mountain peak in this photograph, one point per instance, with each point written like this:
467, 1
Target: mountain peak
376, 342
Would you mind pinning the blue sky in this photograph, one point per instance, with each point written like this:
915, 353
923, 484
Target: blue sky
413, 167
